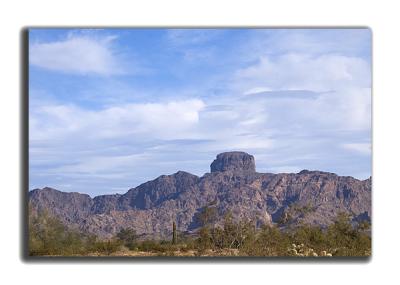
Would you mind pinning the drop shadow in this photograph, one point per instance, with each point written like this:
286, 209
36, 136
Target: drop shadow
185, 259
24, 142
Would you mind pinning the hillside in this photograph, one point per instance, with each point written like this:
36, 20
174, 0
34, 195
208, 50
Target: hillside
233, 185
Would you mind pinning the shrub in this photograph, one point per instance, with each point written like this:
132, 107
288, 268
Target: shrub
127, 237
48, 236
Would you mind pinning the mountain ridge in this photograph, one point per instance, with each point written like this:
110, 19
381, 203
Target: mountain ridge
232, 185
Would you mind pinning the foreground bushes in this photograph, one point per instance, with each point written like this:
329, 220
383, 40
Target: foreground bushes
341, 238
48, 236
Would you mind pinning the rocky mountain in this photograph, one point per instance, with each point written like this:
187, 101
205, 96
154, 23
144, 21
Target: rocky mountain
233, 185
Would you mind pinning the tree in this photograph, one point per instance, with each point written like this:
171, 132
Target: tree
272, 241
49, 236
128, 237
207, 216
347, 240
204, 240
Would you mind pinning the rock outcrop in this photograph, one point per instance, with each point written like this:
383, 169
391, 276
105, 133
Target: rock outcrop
312, 197
233, 161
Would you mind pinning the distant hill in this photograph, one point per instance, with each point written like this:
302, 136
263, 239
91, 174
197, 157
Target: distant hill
234, 186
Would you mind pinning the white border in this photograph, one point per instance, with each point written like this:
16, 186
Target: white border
381, 17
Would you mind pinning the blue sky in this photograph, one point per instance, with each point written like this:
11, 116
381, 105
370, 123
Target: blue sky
112, 108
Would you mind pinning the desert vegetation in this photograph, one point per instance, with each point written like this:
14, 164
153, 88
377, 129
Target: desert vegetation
49, 237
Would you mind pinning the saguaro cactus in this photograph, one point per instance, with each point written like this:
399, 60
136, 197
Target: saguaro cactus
173, 233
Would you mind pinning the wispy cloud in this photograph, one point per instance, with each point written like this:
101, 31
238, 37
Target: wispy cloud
350, 42
187, 37
304, 72
160, 120
80, 54
362, 148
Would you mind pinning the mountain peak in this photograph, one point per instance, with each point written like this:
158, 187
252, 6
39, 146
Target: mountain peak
233, 161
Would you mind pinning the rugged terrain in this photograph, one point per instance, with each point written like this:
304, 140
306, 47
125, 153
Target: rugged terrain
233, 185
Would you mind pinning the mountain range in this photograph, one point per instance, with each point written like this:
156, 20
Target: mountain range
233, 185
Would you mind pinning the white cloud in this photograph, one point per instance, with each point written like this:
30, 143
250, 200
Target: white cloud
77, 54
362, 148
348, 109
342, 85
71, 143
256, 90
160, 120
305, 72
102, 164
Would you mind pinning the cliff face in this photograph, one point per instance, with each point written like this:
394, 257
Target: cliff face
233, 185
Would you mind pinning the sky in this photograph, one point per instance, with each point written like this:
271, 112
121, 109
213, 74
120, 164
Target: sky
110, 109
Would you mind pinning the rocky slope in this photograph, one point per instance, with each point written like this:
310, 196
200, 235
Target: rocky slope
233, 185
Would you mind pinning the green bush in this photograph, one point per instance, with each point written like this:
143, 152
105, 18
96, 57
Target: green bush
127, 237
48, 236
